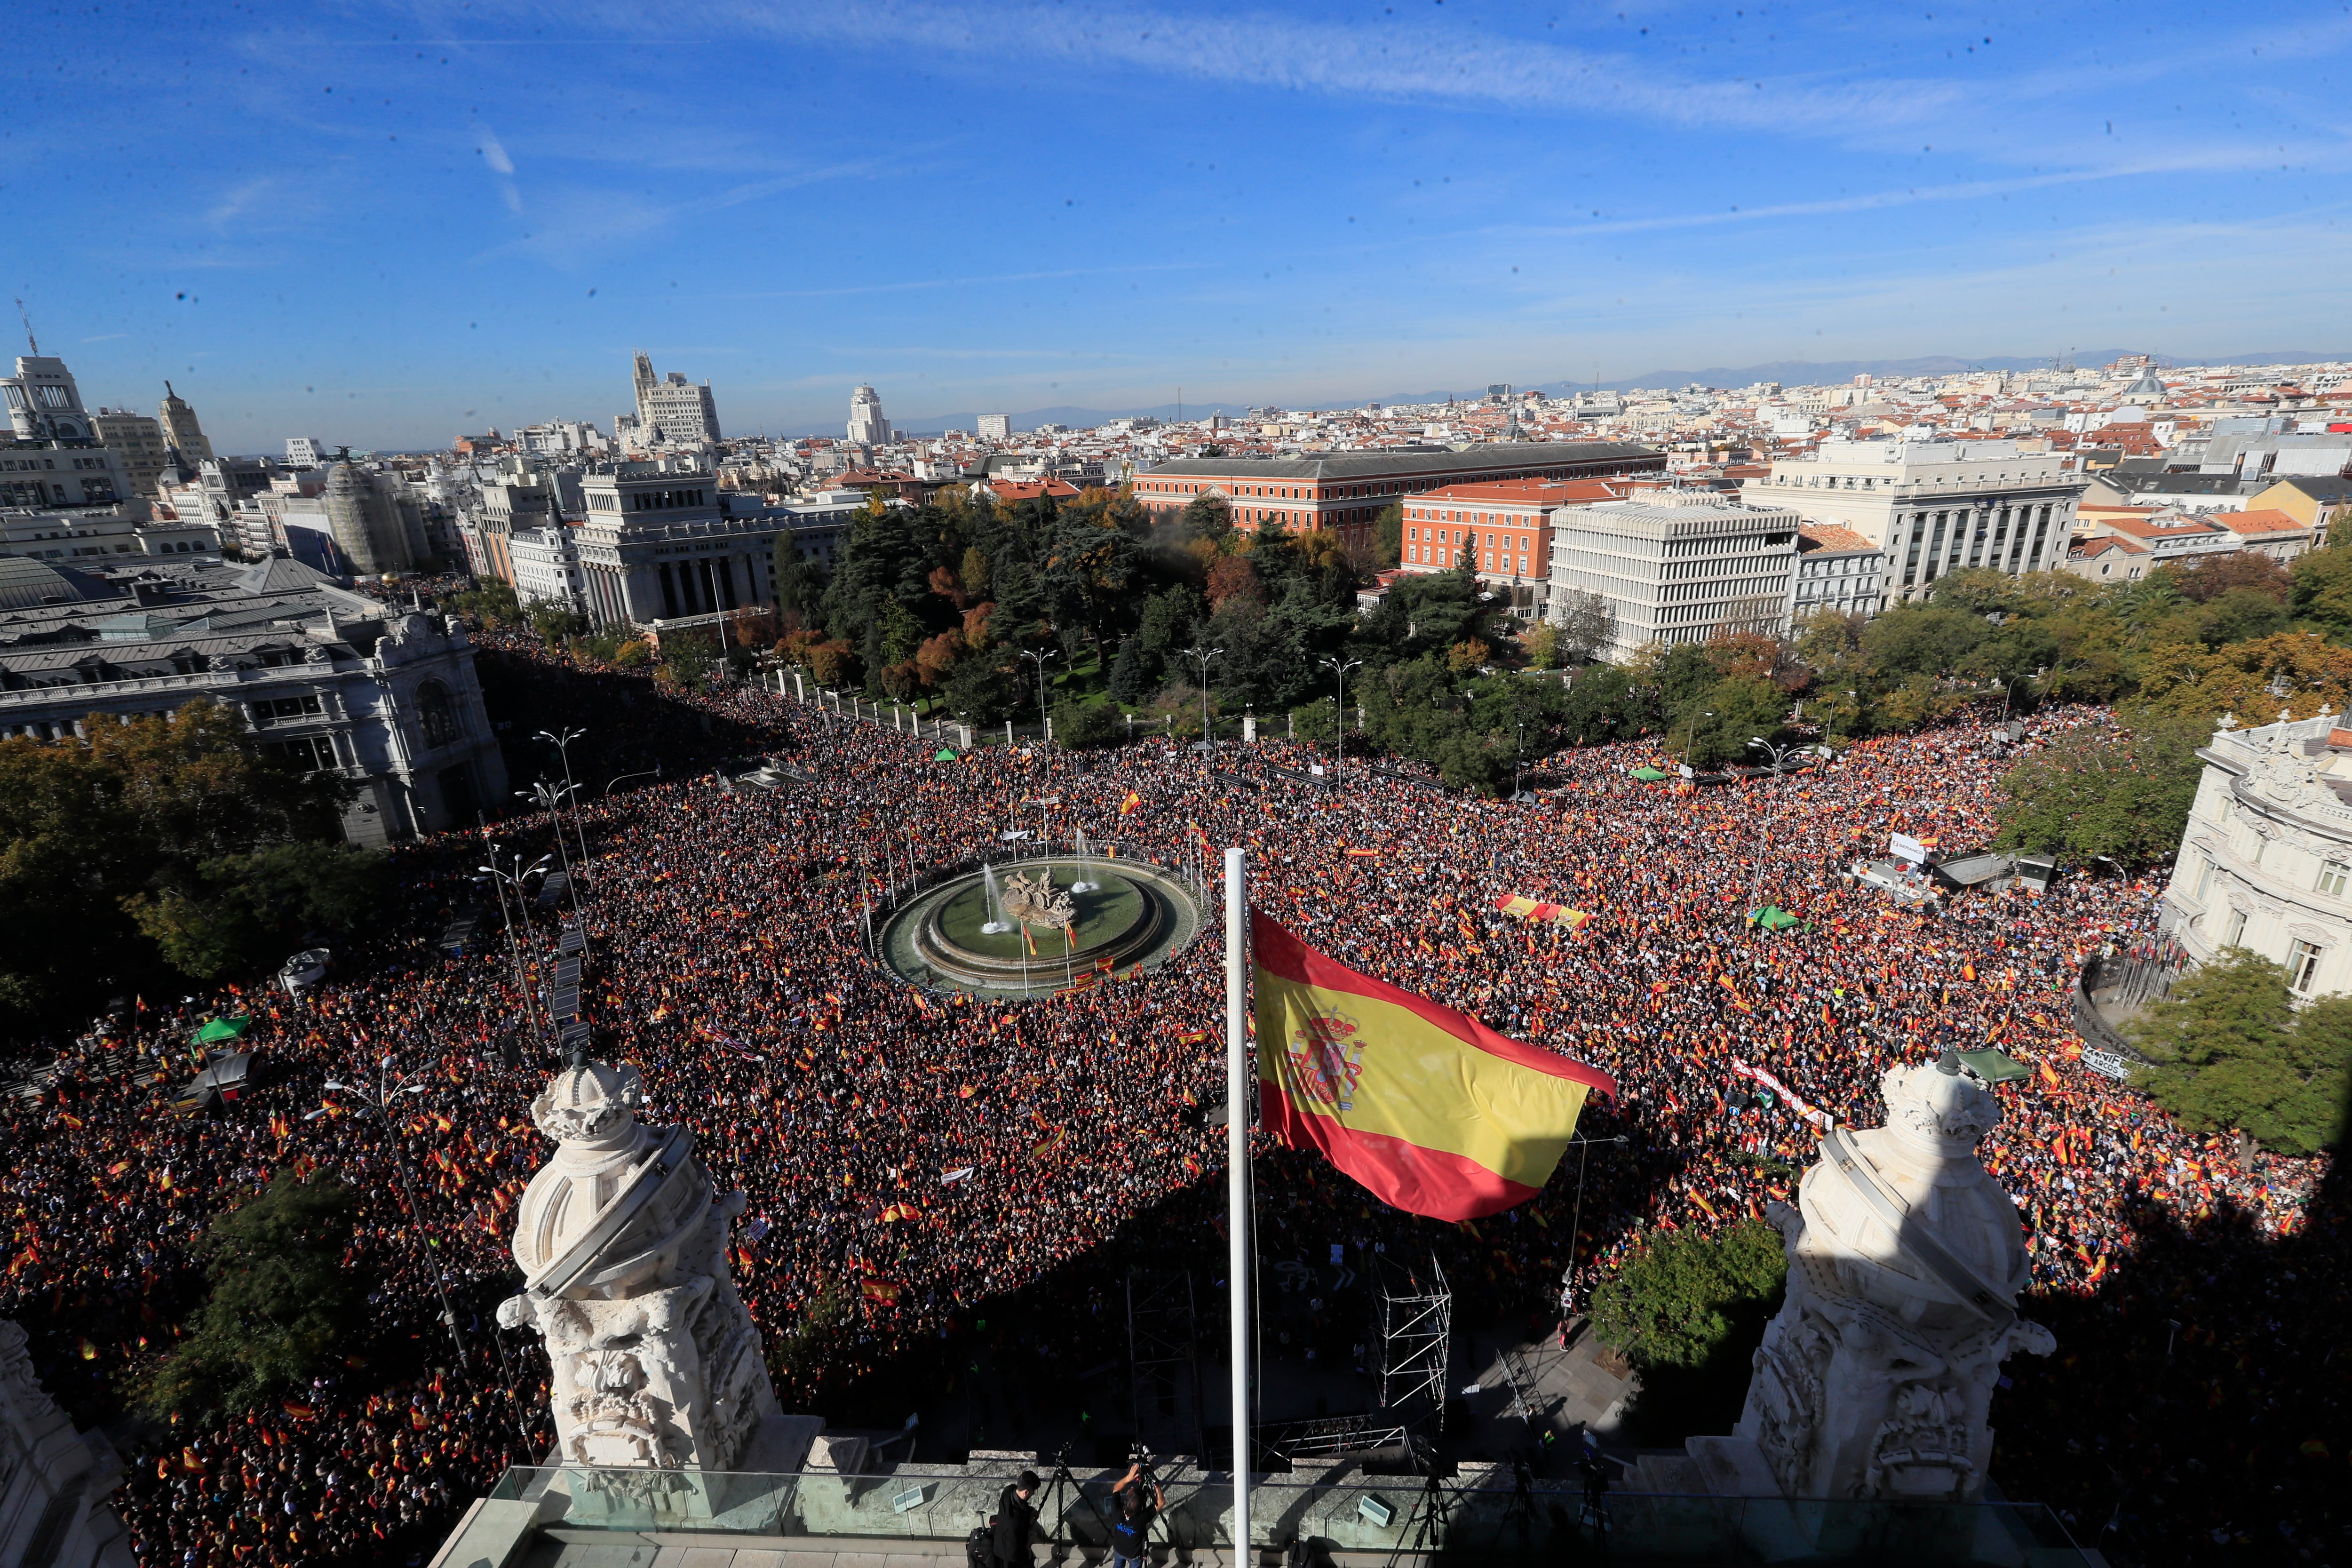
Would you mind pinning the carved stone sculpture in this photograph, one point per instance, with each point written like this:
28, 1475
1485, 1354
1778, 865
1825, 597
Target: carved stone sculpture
1036, 901
622, 1246
1904, 1261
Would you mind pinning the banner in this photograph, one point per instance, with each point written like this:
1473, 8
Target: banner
1529, 908
1819, 1118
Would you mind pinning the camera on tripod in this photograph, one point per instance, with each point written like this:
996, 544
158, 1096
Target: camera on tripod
1139, 1455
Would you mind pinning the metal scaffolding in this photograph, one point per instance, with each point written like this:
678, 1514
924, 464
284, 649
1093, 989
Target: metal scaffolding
1164, 1359
1415, 1315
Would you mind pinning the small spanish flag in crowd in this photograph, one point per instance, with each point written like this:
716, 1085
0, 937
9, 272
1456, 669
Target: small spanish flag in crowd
877, 1288
1131, 804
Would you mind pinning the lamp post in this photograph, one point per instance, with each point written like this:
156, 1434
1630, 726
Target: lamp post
562, 741
1208, 746
651, 773
386, 1091
530, 1010
1690, 733
548, 795
1777, 754
1045, 729
1340, 669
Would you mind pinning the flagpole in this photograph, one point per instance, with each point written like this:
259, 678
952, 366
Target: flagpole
1237, 1264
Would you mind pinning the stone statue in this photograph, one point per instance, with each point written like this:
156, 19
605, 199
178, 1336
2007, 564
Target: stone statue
1904, 1261
622, 1246
1036, 901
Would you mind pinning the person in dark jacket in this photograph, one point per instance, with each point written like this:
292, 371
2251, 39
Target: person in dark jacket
1015, 1522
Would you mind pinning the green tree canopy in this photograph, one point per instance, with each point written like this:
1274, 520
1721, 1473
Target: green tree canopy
2231, 1051
2124, 794
279, 1300
1672, 1302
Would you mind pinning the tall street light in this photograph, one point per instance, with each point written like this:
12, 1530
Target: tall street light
562, 741
1340, 669
386, 1091
1208, 747
529, 1011
1043, 729
1779, 754
549, 796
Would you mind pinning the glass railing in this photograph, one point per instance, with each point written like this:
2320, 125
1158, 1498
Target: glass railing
1483, 1510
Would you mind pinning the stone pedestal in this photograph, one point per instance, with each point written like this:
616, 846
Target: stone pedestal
622, 1246
1905, 1260
54, 1480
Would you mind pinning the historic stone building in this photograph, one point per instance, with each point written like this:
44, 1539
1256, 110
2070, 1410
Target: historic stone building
2266, 862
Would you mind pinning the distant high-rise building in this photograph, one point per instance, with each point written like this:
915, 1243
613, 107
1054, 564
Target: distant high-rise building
58, 458
138, 440
996, 427
866, 425
305, 452
181, 431
672, 412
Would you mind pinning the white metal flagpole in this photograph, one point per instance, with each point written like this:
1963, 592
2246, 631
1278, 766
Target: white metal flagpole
1237, 1082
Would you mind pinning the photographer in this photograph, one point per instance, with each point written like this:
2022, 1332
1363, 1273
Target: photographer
1016, 1522
1130, 1533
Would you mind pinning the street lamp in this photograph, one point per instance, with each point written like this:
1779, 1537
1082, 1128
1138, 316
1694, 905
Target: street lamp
1690, 733
1044, 728
548, 796
562, 741
1777, 754
1208, 746
386, 1091
651, 773
1340, 669
530, 1013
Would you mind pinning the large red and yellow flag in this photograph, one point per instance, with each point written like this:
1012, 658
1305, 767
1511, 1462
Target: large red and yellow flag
1430, 1109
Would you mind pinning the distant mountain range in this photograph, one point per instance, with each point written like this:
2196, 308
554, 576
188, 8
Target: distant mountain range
1789, 373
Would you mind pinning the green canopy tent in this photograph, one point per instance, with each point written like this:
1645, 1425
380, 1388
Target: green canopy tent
1772, 917
945, 755
1648, 775
223, 1029
1993, 1067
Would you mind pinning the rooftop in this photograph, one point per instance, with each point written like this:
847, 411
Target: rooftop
1367, 464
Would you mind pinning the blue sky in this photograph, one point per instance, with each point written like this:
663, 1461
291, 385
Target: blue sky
386, 225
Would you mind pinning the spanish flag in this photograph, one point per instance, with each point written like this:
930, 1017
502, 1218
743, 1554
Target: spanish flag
1431, 1110
1132, 804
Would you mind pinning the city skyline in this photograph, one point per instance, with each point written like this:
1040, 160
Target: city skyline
428, 219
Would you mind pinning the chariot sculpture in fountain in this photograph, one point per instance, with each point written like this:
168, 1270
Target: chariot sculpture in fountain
1034, 900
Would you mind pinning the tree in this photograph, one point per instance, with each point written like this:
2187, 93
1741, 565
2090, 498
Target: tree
985, 686
554, 621
2322, 588
1717, 724
241, 913
799, 585
2207, 580
1541, 646
1587, 623
279, 1305
689, 657
2231, 1051
1388, 536
2124, 794
1079, 725
1206, 518
1672, 1302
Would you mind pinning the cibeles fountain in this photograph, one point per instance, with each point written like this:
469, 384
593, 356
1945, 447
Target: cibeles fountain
1905, 1258
622, 1242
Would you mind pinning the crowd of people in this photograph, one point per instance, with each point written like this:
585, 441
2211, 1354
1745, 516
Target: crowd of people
930, 1175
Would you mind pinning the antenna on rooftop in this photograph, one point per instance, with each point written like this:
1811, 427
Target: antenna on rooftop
30, 342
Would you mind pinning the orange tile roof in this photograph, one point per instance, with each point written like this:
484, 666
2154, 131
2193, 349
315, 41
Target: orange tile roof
1830, 536
2148, 528
1518, 492
1017, 489
2265, 519
2091, 547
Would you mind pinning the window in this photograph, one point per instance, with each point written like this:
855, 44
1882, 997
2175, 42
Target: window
2237, 928
2332, 878
2302, 966
2204, 878
435, 714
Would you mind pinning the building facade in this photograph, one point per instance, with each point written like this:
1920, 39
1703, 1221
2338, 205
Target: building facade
1345, 491
326, 679
1934, 507
995, 427
671, 411
181, 431
55, 456
1837, 570
54, 1480
1505, 524
138, 440
2266, 862
1676, 566
867, 427
546, 563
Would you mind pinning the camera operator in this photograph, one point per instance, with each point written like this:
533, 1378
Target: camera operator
1130, 1533
1016, 1522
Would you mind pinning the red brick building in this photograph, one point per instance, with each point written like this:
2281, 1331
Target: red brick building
1345, 491
1507, 523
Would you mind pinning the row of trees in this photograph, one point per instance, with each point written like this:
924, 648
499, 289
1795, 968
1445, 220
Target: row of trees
158, 850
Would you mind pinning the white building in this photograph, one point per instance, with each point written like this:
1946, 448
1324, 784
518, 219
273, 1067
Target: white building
54, 1480
1676, 566
995, 427
672, 411
55, 456
305, 452
867, 427
1838, 570
2266, 862
181, 431
1934, 507
138, 440
546, 566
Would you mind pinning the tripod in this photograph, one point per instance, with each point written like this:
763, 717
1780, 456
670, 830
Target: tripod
1424, 1526
1062, 1504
